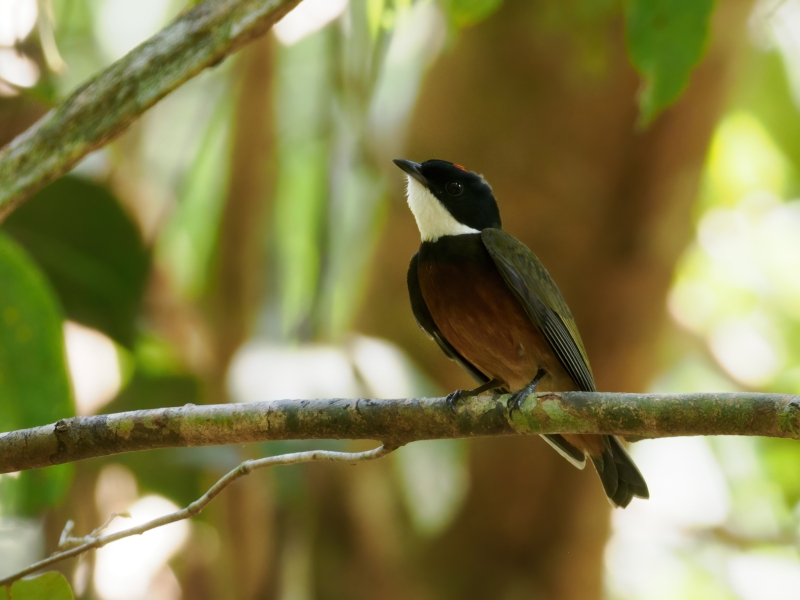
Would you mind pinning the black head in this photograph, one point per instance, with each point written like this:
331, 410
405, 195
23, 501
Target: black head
468, 202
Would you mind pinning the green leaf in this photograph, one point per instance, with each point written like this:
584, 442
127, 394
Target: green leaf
90, 250
665, 39
34, 385
48, 586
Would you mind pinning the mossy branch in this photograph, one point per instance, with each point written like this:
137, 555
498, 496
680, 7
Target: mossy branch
397, 422
105, 106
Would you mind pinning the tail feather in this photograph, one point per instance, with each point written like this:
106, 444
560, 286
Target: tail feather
620, 477
564, 448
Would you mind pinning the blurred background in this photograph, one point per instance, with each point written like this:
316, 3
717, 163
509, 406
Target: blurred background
248, 239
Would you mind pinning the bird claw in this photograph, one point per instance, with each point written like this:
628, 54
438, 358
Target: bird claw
454, 398
515, 402
516, 399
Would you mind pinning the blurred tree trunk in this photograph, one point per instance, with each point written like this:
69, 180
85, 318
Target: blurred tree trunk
238, 274
245, 516
608, 210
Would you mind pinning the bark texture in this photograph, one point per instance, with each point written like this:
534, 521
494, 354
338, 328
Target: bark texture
398, 422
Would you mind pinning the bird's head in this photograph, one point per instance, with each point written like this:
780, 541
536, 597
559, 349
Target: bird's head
446, 199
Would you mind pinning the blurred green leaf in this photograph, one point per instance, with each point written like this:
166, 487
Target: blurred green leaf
303, 126
743, 159
780, 458
90, 250
765, 92
48, 586
665, 39
34, 385
187, 243
463, 13
375, 10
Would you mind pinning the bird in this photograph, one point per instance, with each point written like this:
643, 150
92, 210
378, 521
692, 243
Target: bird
493, 308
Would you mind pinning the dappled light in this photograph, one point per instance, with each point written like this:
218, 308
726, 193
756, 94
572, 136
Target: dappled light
736, 290
119, 26
93, 367
136, 568
17, 70
236, 233
308, 17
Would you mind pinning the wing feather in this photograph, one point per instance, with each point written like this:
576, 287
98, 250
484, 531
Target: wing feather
542, 300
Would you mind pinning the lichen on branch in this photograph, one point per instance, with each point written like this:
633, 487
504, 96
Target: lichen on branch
400, 421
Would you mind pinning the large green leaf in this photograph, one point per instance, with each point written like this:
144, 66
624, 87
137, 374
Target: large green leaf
34, 386
90, 250
48, 586
665, 39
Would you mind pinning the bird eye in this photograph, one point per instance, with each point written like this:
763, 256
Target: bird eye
454, 188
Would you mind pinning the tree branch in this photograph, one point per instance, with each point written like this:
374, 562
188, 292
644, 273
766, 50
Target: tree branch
95, 540
397, 422
110, 102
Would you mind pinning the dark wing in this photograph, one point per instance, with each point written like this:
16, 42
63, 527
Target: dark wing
536, 290
545, 305
426, 323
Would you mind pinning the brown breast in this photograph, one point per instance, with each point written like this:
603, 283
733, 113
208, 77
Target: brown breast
483, 320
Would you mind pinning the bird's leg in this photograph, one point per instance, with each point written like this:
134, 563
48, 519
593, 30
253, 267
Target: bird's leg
515, 401
454, 397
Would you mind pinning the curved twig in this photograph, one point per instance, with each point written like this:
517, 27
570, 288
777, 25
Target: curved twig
94, 540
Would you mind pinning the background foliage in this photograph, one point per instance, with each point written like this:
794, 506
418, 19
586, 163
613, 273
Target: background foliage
246, 240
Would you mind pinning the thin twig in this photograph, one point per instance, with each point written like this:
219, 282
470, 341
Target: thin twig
198, 505
67, 541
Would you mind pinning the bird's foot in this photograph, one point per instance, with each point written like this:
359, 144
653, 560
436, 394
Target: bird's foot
454, 398
516, 399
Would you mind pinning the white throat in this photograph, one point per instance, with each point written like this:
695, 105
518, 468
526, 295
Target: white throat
432, 217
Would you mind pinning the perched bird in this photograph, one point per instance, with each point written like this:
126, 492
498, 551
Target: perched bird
489, 303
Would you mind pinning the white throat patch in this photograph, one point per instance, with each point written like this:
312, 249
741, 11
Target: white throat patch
432, 217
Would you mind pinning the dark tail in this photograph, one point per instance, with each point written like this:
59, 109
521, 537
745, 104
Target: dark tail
621, 479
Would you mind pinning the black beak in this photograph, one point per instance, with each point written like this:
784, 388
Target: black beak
412, 169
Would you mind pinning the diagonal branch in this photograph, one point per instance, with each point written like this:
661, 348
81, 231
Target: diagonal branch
398, 422
95, 540
109, 103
